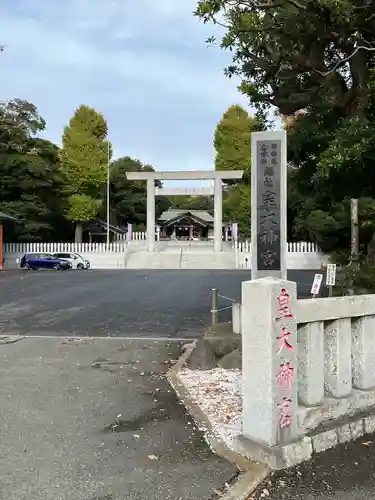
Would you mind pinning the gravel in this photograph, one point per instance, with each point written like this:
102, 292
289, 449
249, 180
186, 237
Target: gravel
218, 393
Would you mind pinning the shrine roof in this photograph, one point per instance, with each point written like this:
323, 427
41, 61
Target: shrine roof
175, 214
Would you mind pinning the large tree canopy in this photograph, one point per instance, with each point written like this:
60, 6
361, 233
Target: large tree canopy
315, 58
333, 160
30, 179
19, 121
232, 140
85, 156
296, 53
232, 144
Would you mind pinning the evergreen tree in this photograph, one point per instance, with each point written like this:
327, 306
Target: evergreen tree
232, 143
30, 178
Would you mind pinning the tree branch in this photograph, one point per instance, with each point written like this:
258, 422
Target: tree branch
344, 60
279, 3
270, 4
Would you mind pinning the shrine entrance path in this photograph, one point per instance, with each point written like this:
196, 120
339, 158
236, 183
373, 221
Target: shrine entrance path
119, 303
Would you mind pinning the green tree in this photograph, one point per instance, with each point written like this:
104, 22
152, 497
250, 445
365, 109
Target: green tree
333, 161
232, 143
192, 202
129, 198
237, 207
296, 53
85, 154
232, 140
19, 121
316, 57
30, 179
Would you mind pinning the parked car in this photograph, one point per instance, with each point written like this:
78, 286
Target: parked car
43, 261
77, 261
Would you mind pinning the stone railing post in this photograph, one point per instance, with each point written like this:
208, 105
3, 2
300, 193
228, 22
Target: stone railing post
236, 317
269, 361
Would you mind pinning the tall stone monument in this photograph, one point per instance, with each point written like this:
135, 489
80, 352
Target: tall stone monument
268, 204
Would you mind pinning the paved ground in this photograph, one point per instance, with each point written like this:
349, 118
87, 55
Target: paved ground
96, 420
343, 473
118, 303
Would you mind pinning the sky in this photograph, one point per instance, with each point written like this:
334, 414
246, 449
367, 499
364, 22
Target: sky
143, 63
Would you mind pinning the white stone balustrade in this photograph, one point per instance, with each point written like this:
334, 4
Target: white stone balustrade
331, 370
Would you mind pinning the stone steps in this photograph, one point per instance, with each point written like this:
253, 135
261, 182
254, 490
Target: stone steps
174, 260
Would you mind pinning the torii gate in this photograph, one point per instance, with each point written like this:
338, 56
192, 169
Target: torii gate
217, 191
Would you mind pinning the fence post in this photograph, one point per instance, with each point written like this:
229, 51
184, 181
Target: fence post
214, 312
236, 318
269, 361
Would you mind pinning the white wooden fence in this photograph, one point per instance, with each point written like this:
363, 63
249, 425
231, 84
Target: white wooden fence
100, 255
39, 247
293, 247
141, 235
120, 245
301, 255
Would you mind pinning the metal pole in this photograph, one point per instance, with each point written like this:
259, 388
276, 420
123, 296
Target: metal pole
354, 253
108, 161
214, 312
354, 230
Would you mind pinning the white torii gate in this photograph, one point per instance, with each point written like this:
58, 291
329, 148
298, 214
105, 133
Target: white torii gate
152, 191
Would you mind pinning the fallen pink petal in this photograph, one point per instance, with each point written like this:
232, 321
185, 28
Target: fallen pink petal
218, 393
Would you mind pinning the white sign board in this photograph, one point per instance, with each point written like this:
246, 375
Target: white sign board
318, 278
331, 275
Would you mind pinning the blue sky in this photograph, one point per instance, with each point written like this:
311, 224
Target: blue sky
142, 63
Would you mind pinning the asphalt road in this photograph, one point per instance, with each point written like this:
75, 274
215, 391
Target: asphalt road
95, 419
125, 303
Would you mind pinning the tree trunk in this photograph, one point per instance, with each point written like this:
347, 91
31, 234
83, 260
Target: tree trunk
78, 232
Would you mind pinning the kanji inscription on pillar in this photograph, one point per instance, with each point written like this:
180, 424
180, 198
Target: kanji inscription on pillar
285, 362
268, 205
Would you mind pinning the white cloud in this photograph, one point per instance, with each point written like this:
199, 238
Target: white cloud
144, 64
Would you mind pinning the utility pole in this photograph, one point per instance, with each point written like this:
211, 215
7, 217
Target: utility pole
108, 184
354, 254
354, 250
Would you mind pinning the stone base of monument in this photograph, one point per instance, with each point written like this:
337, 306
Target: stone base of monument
277, 457
301, 450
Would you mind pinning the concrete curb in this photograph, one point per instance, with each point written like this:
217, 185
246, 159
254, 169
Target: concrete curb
10, 339
251, 473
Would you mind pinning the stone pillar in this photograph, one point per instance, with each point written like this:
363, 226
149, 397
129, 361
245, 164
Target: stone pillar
338, 357
363, 353
236, 318
269, 361
311, 363
226, 233
150, 215
218, 214
268, 204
